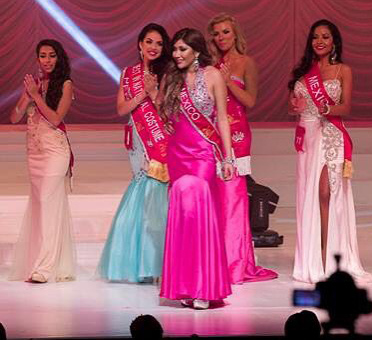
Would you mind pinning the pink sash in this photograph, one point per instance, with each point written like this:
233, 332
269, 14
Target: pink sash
201, 123
241, 135
61, 127
148, 124
319, 95
299, 138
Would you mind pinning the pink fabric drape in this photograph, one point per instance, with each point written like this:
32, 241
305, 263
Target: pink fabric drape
275, 29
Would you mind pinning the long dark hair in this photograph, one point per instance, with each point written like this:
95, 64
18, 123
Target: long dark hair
309, 55
60, 74
158, 65
175, 77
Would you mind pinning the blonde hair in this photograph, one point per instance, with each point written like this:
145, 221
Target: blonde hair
240, 42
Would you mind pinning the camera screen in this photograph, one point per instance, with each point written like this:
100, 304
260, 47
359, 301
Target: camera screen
306, 298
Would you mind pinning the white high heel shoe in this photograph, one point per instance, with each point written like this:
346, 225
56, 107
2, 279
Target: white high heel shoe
200, 304
187, 302
38, 278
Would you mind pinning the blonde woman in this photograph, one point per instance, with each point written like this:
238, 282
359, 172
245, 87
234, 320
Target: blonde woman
227, 46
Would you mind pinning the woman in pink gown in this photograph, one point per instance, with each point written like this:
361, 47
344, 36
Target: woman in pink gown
44, 251
195, 265
321, 90
227, 46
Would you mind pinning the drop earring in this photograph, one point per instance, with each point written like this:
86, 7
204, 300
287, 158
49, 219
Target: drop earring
196, 64
333, 56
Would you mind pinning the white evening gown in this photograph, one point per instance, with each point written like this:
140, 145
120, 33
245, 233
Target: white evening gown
323, 146
45, 242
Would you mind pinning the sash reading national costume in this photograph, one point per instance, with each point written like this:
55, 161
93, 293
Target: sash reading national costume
148, 124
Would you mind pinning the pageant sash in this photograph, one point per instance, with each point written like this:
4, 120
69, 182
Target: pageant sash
299, 138
148, 124
319, 95
241, 136
201, 123
61, 127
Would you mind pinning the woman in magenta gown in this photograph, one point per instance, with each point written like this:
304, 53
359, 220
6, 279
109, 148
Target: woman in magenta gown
195, 266
227, 46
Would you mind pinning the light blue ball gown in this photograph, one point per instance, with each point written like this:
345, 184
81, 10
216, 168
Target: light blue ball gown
133, 251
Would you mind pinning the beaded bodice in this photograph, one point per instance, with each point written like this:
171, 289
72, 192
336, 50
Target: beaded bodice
200, 97
332, 152
333, 88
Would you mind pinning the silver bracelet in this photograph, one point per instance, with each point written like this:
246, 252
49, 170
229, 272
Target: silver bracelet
228, 160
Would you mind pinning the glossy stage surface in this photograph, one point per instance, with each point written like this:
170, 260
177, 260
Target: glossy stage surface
91, 308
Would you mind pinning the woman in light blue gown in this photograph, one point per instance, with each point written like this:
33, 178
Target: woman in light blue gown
133, 251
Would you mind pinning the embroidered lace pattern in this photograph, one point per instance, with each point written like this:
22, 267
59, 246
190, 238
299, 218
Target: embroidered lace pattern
332, 138
35, 122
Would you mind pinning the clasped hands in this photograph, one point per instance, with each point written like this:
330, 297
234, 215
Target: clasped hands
298, 104
150, 82
32, 89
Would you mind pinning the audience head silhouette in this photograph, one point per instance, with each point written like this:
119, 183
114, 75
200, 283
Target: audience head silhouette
2, 332
145, 327
303, 325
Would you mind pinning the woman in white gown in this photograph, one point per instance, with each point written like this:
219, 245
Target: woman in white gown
44, 251
321, 96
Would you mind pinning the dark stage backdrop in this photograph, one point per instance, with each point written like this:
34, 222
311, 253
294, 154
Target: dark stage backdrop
276, 31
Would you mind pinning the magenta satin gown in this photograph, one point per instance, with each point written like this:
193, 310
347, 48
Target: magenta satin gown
235, 211
238, 237
195, 264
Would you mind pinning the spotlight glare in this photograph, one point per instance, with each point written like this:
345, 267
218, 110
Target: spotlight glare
76, 33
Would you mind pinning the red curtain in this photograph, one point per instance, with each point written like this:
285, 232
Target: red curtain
276, 31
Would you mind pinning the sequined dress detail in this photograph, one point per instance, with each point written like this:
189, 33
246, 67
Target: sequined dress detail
323, 146
45, 244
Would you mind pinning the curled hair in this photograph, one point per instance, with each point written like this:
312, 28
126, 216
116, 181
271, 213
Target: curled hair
59, 75
240, 41
158, 65
175, 77
309, 56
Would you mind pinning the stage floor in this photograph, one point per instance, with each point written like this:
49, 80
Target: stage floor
92, 308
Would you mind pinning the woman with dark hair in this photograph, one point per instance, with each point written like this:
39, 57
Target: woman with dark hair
195, 265
321, 96
134, 248
44, 251
227, 47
